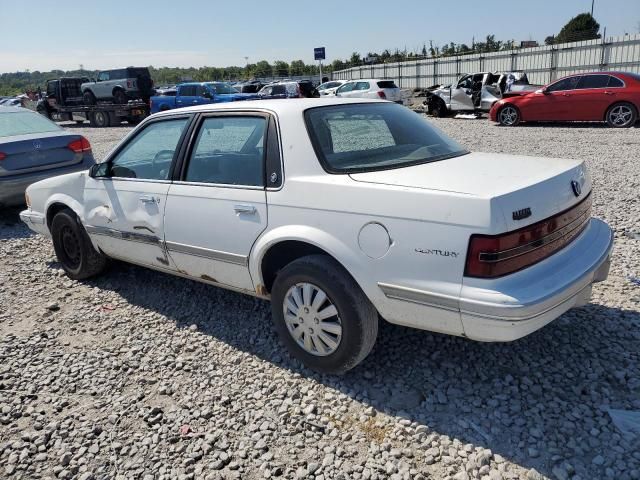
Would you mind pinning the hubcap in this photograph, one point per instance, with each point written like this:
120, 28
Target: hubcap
620, 115
312, 319
508, 116
70, 247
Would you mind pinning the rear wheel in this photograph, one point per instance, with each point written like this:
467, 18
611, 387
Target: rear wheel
508, 116
621, 115
120, 97
73, 247
88, 98
322, 315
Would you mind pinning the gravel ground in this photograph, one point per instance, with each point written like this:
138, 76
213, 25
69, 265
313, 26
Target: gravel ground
142, 375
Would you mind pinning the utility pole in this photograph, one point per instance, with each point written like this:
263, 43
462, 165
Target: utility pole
592, 2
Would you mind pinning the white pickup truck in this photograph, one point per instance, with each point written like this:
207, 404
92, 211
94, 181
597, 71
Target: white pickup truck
340, 212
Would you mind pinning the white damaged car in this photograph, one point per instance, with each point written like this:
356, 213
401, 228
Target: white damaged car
342, 213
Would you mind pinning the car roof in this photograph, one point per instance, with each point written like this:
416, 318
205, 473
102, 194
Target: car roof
371, 80
277, 106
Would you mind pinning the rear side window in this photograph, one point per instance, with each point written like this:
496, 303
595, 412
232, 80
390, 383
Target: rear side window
616, 82
229, 151
188, 91
279, 90
569, 83
387, 84
367, 137
134, 72
23, 123
361, 86
593, 81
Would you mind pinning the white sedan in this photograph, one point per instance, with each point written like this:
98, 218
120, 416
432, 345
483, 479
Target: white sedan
341, 212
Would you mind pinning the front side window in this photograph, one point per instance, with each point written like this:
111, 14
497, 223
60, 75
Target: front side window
222, 88
367, 137
103, 77
229, 151
347, 87
569, 83
150, 153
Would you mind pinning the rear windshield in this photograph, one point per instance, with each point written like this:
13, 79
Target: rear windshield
22, 123
367, 137
387, 84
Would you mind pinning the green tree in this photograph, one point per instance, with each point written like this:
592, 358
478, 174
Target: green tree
579, 28
263, 69
355, 59
297, 68
280, 68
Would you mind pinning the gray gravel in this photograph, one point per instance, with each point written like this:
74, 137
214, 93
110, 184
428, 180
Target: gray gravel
142, 375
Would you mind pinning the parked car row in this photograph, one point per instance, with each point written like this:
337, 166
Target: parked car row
347, 239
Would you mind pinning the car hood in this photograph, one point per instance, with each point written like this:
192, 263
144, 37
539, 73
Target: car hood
510, 182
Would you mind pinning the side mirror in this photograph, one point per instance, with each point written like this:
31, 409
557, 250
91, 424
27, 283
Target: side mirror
543, 91
100, 170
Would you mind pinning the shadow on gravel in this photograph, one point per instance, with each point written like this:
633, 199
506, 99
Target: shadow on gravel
11, 227
540, 402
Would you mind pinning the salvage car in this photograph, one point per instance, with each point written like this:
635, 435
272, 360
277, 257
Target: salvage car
370, 88
33, 148
340, 212
611, 97
329, 88
288, 89
476, 92
119, 86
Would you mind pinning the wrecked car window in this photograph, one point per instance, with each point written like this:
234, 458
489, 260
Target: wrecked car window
368, 137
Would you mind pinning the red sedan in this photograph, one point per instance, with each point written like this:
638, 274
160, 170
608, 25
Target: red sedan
611, 97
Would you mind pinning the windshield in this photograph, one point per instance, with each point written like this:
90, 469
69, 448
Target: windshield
367, 137
222, 88
22, 123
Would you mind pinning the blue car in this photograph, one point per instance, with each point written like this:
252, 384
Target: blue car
193, 93
33, 148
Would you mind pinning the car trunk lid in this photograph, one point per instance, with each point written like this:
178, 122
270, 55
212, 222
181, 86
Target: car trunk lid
35, 152
523, 189
390, 89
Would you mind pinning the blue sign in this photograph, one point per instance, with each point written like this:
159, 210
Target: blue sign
318, 53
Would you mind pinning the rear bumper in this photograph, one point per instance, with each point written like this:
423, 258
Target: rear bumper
12, 188
516, 305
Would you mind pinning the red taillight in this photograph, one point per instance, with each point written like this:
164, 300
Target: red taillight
80, 145
381, 94
2, 156
491, 256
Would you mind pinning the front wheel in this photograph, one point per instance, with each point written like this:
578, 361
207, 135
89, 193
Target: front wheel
438, 108
322, 315
88, 98
120, 97
73, 247
509, 116
622, 115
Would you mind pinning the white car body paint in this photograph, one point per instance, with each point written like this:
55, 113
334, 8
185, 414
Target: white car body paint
429, 212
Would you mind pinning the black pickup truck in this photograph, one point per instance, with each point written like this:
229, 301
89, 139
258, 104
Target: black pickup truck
62, 101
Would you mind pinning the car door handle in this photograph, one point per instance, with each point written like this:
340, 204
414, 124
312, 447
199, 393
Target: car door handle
149, 199
248, 209
566, 94
609, 93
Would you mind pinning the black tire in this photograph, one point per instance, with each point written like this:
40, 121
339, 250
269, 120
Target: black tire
88, 98
509, 116
358, 317
100, 119
621, 115
120, 97
73, 247
438, 108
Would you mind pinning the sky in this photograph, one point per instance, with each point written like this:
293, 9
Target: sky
45, 35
